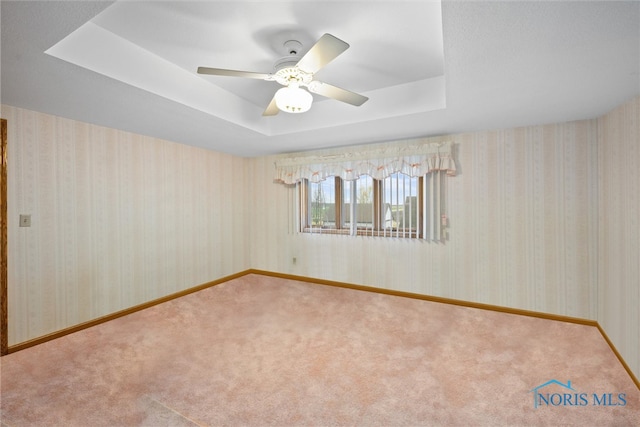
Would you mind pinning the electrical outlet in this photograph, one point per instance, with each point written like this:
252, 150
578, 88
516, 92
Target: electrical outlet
25, 220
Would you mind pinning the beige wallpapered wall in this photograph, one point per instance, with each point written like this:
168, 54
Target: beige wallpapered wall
619, 230
522, 214
117, 220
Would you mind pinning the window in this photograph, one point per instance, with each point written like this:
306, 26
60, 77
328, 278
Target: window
390, 189
389, 207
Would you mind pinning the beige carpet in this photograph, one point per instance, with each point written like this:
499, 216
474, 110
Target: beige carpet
261, 351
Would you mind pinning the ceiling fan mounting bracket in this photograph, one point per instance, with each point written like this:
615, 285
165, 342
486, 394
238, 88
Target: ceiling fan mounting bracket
292, 47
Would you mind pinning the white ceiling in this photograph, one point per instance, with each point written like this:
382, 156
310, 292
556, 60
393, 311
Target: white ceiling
427, 68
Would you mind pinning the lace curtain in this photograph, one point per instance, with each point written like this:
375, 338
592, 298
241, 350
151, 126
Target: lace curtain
413, 158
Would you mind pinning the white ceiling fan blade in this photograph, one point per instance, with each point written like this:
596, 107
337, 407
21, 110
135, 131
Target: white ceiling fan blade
272, 109
337, 93
326, 49
233, 73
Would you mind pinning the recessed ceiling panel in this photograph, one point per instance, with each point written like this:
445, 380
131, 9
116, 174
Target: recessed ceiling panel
158, 46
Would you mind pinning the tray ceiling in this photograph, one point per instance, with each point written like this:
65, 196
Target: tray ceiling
428, 68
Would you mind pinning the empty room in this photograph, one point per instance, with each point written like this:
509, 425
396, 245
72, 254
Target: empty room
295, 213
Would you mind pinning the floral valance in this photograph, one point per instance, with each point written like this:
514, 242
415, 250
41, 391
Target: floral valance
413, 158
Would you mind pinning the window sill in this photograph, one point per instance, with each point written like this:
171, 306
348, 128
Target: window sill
362, 232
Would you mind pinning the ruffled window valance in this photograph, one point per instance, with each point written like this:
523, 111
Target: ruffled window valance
415, 158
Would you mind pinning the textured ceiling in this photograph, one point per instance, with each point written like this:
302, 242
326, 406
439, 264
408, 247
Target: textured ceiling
427, 68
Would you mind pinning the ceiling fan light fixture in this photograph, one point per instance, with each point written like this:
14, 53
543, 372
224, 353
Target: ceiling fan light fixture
293, 99
295, 73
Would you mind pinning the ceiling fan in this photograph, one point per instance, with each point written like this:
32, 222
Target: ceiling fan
296, 73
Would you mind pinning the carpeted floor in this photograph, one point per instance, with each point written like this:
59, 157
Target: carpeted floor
261, 351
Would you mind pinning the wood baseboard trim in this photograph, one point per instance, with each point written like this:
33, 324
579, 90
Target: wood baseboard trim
121, 313
424, 297
521, 312
619, 356
443, 300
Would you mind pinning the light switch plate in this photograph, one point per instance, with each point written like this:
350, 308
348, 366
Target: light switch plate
25, 220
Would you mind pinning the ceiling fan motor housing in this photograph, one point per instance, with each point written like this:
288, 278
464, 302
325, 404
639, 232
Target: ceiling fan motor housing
288, 75
285, 68
286, 62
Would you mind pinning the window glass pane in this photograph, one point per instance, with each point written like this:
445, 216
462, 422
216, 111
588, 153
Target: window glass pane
362, 190
347, 189
365, 207
322, 200
400, 204
388, 207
